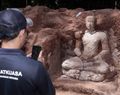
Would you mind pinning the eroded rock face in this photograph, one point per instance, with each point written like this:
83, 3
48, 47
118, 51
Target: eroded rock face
62, 23
54, 30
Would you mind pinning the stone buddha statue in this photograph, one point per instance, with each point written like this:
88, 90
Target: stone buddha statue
89, 64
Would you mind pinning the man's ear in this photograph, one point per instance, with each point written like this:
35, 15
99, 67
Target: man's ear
22, 33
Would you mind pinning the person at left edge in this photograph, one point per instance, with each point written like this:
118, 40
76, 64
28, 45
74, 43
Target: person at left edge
19, 75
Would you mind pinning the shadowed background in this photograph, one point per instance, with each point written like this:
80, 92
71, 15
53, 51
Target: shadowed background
70, 4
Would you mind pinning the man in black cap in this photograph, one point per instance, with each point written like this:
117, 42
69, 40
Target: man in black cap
19, 75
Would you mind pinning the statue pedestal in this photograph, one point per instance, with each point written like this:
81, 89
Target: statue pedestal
85, 87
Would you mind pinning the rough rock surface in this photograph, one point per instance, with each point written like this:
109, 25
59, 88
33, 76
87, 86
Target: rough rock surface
87, 88
54, 31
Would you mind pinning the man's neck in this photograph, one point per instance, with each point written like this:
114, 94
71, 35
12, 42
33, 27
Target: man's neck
9, 45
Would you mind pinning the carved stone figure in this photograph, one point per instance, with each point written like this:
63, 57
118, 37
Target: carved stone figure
90, 62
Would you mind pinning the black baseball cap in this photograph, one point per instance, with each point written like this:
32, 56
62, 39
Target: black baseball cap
11, 22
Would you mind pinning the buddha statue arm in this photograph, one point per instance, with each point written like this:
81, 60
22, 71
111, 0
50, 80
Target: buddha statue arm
77, 50
105, 47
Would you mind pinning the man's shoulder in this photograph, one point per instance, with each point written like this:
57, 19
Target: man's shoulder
33, 62
29, 63
32, 65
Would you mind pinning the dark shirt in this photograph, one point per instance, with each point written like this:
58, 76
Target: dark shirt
20, 75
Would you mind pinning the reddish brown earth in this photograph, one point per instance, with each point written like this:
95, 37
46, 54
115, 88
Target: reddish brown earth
53, 29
